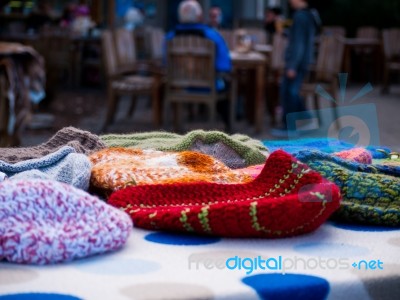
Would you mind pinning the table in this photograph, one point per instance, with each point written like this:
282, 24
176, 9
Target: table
263, 48
155, 265
22, 80
361, 43
253, 61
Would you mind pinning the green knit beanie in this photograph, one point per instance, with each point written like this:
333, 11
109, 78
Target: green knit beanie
236, 151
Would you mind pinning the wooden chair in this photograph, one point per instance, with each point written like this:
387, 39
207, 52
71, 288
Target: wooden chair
192, 77
329, 63
367, 32
125, 49
369, 58
275, 71
334, 30
391, 49
157, 38
120, 82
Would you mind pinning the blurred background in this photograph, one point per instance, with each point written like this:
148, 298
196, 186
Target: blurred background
58, 68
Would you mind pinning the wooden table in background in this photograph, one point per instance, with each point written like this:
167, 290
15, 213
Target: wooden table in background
362, 43
253, 61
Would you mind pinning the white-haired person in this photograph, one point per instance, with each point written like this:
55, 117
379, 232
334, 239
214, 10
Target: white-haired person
190, 16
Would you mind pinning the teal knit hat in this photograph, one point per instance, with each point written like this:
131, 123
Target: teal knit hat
371, 193
236, 151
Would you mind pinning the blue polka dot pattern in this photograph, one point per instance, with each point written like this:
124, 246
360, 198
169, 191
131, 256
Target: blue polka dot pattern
355, 227
180, 239
288, 286
38, 296
330, 250
119, 267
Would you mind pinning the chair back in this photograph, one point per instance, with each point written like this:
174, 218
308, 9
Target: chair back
367, 32
109, 54
279, 44
334, 30
391, 44
157, 38
330, 58
125, 47
190, 63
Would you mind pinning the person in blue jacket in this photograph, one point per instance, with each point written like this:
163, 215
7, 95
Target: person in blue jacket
298, 57
190, 16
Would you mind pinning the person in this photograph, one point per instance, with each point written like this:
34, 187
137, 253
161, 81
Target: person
273, 21
215, 17
133, 18
190, 15
298, 57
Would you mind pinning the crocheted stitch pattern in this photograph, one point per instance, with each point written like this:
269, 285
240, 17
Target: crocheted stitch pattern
44, 222
116, 168
82, 141
235, 151
287, 199
63, 165
371, 193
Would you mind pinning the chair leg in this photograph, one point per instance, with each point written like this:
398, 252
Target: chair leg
316, 106
385, 85
213, 113
132, 107
232, 106
156, 107
111, 108
177, 107
335, 106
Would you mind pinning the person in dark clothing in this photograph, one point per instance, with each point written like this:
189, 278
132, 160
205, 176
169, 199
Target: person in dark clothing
298, 57
272, 21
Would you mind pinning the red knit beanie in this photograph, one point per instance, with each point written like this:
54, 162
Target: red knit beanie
286, 199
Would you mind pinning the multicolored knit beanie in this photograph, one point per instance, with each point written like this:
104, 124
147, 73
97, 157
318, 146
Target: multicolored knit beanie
116, 168
82, 141
371, 193
235, 151
63, 165
287, 199
45, 222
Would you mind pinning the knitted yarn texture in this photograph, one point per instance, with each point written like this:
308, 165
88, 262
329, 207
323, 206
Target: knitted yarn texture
371, 193
64, 165
45, 222
116, 168
235, 151
82, 141
286, 199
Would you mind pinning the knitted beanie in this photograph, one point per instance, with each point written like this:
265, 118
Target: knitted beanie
64, 165
326, 145
44, 222
82, 141
235, 151
116, 168
287, 199
359, 155
371, 193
